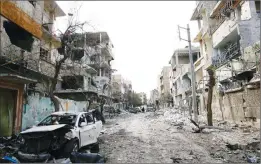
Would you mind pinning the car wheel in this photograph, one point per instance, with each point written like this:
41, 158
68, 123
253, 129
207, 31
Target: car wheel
95, 148
75, 147
71, 146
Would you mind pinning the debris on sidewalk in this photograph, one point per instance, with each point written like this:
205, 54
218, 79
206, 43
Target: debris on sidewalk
175, 160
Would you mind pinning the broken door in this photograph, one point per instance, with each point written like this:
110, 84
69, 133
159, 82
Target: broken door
7, 108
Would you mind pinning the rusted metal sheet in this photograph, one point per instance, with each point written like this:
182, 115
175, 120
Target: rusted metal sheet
13, 13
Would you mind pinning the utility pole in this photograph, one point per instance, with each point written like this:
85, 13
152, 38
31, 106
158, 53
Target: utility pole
193, 79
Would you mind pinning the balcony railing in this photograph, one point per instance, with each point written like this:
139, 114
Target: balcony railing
224, 12
230, 52
231, 86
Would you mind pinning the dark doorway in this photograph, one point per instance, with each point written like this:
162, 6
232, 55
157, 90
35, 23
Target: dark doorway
7, 111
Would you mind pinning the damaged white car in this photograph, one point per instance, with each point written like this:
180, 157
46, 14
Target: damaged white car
59, 134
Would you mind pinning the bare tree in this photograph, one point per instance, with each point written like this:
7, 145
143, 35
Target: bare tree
210, 84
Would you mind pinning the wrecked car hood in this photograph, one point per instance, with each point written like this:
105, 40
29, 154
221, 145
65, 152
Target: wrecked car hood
43, 128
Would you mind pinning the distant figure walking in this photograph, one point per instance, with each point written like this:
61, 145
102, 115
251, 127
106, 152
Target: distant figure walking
157, 104
142, 109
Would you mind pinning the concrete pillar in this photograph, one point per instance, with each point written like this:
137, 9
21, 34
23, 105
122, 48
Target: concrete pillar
202, 105
199, 24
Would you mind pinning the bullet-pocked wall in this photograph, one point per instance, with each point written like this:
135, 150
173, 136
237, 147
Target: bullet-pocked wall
35, 109
238, 106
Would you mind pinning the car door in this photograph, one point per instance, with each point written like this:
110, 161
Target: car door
98, 126
92, 126
84, 131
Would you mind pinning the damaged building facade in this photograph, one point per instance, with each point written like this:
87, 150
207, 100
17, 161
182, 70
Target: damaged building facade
25, 58
121, 91
180, 77
164, 86
229, 35
88, 71
154, 95
27, 65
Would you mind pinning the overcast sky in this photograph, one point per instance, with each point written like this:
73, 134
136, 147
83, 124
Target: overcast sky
144, 34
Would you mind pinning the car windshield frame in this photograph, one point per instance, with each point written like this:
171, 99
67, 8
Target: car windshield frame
48, 120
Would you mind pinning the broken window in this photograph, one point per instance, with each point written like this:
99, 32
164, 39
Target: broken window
72, 82
44, 55
90, 119
18, 36
33, 3
257, 4
46, 27
77, 54
65, 119
82, 120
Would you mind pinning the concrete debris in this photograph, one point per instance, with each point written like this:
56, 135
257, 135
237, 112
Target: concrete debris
175, 160
222, 123
253, 159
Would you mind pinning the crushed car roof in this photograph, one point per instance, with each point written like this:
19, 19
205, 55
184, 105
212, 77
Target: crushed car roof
69, 113
43, 128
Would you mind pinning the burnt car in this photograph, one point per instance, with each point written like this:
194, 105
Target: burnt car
58, 135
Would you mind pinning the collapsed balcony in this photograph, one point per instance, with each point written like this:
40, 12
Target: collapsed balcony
222, 11
20, 52
72, 82
226, 54
76, 88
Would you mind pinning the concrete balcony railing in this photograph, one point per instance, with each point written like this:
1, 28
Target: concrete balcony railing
221, 13
227, 28
26, 60
185, 69
49, 37
222, 58
199, 63
91, 89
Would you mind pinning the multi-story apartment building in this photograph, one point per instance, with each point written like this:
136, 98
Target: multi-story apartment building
143, 97
88, 71
181, 73
230, 43
121, 90
154, 95
164, 89
26, 43
118, 85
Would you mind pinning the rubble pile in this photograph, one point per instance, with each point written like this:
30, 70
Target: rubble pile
227, 142
174, 118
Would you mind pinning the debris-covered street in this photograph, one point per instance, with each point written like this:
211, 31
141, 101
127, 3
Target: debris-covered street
154, 138
130, 82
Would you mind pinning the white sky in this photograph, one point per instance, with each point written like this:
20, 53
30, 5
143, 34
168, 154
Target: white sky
144, 33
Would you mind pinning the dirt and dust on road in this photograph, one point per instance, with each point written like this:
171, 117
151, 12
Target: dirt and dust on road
167, 137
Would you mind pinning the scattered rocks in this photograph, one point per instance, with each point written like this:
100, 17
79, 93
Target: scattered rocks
246, 131
175, 160
222, 123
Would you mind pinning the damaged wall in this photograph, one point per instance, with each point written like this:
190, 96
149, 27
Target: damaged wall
238, 106
37, 107
73, 106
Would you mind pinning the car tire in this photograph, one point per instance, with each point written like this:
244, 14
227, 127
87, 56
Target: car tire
71, 146
95, 148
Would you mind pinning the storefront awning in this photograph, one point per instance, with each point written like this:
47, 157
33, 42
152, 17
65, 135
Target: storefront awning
16, 78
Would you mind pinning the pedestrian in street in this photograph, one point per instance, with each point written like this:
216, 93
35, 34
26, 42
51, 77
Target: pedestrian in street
157, 105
